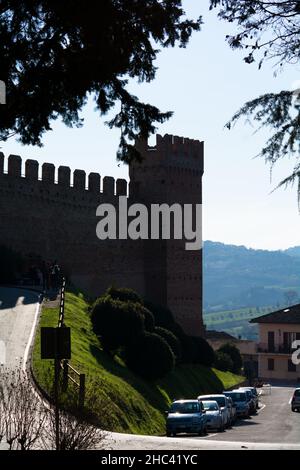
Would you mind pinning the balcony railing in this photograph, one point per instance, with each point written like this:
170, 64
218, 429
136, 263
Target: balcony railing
277, 348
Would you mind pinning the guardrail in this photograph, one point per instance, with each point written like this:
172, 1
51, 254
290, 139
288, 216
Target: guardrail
69, 373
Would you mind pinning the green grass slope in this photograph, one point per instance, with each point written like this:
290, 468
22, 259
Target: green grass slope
125, 402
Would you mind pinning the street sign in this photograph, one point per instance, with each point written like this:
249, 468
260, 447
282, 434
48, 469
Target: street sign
55, 343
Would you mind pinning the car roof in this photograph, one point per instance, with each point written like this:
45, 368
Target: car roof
185, 401
212, 395
210, 401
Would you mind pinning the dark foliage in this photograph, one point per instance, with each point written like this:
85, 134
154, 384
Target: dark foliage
117, 323
235, 355
124, 294
149, 356
172, 341
162, 315
223, 361
204, 352
54, 54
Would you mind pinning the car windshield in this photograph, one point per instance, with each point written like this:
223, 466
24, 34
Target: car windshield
219, 400
297, 393
236, 396
186, 407
210, 406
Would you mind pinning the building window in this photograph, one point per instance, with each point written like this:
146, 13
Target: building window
271, 364
291, 366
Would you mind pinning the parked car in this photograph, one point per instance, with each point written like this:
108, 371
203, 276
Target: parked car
223, 404
295, 403
232, 408
214, 415
252, 406
254, 394
240, 400
186, 416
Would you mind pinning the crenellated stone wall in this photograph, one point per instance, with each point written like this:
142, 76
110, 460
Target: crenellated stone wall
54, 216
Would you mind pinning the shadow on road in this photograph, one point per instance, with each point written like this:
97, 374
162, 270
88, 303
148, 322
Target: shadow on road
9, 297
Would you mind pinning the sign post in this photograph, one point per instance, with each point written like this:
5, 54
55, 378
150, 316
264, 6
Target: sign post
56, 344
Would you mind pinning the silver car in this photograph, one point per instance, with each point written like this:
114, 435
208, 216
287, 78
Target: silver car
223, 405
186, 416
241, 402
295, 403
254, 394
214, 416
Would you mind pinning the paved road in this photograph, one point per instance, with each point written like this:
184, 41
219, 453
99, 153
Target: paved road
275, 422
18, 314
274, 427
18, 310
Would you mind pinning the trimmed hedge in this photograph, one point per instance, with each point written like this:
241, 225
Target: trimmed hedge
223, 361
149, 356
172, 341
116, 322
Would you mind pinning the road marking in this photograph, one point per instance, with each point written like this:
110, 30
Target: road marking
211, 435
260, 409
31, 336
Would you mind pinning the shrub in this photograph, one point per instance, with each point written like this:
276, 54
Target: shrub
148, 319
124, 294
223, 361
205, 354
162, 315
235, 355
172, 341
149, 356
116, 322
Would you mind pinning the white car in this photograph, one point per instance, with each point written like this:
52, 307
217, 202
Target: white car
214, 415
223, 405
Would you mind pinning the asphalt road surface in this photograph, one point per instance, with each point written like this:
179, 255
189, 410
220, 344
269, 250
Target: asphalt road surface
18, 312
274, 422
275, 426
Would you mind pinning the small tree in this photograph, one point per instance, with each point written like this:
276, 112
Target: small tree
149, 356
172, 341
223, 361
116, 322
235, 355
124, 294
204, 352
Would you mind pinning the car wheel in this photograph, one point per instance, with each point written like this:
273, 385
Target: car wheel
293, 409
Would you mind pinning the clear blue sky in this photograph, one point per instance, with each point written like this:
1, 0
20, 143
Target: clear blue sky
204, 85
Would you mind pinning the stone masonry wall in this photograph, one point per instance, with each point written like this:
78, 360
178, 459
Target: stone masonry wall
54, 219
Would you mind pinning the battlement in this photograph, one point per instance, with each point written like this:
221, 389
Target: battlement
172, 150
80, 182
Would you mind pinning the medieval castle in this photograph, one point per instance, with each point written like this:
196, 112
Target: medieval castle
57, 221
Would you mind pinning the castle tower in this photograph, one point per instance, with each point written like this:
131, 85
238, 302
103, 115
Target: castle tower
171, 172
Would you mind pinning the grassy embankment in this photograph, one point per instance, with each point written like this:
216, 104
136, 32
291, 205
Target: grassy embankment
127, 403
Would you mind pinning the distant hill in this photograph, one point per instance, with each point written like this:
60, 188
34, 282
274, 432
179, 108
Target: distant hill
236, 277
295, 251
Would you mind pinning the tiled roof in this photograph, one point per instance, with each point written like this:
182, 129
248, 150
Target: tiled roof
213, 334
286, 315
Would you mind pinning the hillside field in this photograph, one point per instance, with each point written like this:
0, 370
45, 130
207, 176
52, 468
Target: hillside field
124, 402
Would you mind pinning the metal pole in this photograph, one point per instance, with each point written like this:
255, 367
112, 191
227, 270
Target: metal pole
56, 393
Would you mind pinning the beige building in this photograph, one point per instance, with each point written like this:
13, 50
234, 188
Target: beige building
277, 332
